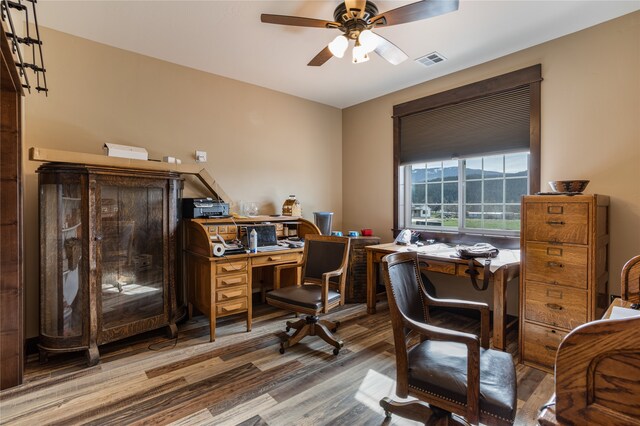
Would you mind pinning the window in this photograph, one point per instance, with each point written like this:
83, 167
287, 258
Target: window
478, 193
463, 158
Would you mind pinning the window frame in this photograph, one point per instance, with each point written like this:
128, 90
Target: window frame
530, 76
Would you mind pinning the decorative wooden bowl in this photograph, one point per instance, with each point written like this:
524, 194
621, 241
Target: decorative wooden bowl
568, 185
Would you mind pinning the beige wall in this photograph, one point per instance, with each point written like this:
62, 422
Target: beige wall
590, 129
262, 145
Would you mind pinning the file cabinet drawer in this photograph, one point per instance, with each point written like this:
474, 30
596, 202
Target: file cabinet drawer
231, 307
561, 222
231, 293
231, 267
557, 264
540, 344
231, 280
555, 305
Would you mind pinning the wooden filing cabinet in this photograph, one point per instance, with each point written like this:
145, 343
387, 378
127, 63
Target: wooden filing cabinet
356, 286
564, 273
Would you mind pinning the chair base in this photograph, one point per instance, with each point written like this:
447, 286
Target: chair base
311, 325
418, 411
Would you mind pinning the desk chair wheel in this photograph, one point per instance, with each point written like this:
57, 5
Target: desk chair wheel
336, 351
282, 348
288, 329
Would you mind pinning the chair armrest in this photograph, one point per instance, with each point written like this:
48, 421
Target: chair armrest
472, 343
482, 307
279, 268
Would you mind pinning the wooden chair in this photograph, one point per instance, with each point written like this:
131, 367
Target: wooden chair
453, 372
630, 280
320, 289
597, 375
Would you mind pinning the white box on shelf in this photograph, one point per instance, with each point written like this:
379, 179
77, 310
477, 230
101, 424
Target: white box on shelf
124, 151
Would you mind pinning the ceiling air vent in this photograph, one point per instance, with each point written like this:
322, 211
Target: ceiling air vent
431, 59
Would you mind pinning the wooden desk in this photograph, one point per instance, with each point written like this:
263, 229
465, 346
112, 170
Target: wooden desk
450, 266
222, 286
597, 374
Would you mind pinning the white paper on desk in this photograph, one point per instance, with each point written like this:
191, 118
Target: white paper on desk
504, 257
620, 313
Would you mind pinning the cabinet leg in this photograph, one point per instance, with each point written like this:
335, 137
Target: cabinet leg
42, 356
172, 330
189, 311
93, 355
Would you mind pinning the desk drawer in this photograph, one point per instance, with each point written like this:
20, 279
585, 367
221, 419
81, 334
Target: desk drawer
231, 307
557, 222
555, 305
540, 344
275, 258
231, 293
437, 266
224, 266
231, 280
557, 264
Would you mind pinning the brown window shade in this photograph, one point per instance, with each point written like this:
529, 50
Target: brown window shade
498, 123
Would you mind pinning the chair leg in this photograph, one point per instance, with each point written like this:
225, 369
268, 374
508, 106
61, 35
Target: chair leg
418, 411
295, 324
323, 332
331, 325
301, 332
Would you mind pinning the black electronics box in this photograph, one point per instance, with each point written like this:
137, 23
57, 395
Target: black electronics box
203, 207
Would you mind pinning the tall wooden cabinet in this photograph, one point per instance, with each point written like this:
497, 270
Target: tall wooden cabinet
107, 255
565, 270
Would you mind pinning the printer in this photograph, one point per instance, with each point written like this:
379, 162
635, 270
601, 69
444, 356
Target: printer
203, 207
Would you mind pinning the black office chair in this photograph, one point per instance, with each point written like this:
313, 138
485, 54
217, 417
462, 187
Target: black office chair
320, 289
453, 372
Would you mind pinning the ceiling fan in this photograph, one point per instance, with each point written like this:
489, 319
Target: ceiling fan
356, 19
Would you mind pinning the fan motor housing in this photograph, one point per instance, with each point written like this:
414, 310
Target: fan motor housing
340, 13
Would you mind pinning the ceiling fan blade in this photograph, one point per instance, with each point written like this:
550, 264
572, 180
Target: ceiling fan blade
389, 51
297, 21
415, 12
322, 57
357, 6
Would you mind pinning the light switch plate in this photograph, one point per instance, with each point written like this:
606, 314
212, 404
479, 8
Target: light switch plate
201, 156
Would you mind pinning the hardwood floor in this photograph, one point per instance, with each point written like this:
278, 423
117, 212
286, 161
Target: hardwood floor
240, 379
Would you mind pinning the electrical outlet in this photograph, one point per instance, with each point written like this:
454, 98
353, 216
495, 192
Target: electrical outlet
201, 156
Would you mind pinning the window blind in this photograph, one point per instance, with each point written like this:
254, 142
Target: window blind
497, 123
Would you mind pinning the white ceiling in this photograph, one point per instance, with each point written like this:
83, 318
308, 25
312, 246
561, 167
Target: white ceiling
228, 39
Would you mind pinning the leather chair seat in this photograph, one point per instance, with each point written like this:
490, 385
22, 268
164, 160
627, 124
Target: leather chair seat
307, 296
440, 368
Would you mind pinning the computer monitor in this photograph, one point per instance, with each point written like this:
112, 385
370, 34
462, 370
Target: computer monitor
266, 235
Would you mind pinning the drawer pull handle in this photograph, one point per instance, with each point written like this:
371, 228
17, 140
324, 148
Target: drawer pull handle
232, 268
231, 295
232, 281
554, 306
555, 222
424, 264
555, 265
550, 348
274, 258
232, 307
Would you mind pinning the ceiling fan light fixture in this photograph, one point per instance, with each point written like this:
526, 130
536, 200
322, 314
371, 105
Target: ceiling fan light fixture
338, 46
368, 40
359, 54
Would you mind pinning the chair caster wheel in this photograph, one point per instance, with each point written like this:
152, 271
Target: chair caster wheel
281, 349
336, 351
387, 414
287, 329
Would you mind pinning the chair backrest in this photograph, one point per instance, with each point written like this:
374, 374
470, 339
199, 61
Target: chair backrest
405, 290
630, 280
324, 253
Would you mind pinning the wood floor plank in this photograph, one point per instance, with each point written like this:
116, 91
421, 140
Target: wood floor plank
241, 378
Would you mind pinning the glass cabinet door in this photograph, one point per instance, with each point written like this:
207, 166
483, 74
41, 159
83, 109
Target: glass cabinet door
131, 254
61, 251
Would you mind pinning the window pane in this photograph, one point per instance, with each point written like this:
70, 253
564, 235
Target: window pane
434, 193
474, 192
417, 194
450, 216
473, 168
493, 191
473, 216
493, 166
418, 215
435, 218
493, 216
418, 173
512, 217
450, 170
516, 164
515, 188
434, 172
450, 192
